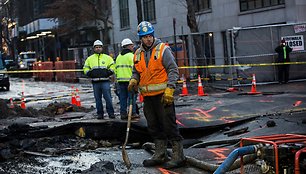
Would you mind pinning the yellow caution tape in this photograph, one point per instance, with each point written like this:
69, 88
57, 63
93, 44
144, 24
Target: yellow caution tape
182, 67
41, 71
239, 65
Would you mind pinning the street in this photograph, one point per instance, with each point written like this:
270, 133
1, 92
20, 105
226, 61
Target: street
222, 85
39, 94
204, 121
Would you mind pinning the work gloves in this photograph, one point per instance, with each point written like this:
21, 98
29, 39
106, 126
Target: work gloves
168, 98
133, 85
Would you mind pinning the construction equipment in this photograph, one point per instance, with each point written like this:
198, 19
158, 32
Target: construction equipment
125, 156
282, 153
26, 60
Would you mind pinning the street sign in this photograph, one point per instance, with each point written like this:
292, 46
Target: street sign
295, 42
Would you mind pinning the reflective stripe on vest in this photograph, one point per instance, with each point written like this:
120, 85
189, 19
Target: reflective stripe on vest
123, 79
99, 79
153, 88
137, 53
124, 66
157, 54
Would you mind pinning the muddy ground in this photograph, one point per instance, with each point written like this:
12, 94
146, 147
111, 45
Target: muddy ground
71, 153
18, 148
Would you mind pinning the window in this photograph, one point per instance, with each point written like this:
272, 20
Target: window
149, 10
124, 13
246, 5
201, 5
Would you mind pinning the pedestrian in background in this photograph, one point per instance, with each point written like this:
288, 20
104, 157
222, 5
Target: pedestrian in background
124, 67
99, 67
283, 51
155, 73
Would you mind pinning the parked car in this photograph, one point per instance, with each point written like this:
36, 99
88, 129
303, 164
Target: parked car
10, 64
4, 78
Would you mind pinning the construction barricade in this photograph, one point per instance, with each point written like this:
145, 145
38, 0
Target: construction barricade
46, 76
59, 76
69, 76
42, 66
36, 67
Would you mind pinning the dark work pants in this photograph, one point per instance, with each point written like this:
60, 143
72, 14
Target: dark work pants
124, 96
103, 88
283, 73
161, 120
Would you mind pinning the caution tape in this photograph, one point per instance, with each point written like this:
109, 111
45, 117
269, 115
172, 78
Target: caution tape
218, 79
40, 71
48, 98
181, 67
60, 91
239, 65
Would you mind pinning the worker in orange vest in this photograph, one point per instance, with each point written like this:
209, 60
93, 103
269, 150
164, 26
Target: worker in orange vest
155, 74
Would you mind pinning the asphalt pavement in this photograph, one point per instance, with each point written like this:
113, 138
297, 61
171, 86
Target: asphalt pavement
209, 123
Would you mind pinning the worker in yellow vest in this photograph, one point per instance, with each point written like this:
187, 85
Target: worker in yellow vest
99, 67
124, 67
155, 73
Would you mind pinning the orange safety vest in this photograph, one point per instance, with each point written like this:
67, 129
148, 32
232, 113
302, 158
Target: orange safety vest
154, 78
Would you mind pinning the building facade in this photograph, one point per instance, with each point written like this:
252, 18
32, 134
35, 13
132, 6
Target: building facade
216, 21
212, 16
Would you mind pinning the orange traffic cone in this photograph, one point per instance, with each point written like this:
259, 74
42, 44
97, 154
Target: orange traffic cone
11, 103
253, 89
200, 87
77, 98
184, 89
22, 104
140, 98
73, 98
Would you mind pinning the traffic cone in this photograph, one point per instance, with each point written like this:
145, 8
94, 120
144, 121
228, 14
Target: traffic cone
77, 98
200, 87
22, 104
73, 98
11, 103
140, 98
184, 89
253, 89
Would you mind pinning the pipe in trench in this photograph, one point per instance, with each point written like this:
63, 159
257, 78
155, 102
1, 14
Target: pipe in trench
204, 165
227, 163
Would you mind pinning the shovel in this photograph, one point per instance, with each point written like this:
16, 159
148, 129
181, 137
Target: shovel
125, 156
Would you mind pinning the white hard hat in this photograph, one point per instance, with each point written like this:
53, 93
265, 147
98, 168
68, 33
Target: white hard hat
97, 42
126, 41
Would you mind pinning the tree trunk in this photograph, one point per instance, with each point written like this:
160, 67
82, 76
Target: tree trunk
139, 11
192, 24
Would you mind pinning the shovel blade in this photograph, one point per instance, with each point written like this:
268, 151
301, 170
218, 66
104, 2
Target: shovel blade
126, 159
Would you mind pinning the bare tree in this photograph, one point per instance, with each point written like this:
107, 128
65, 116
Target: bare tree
139, 11
6, 20
75, 14
193, 25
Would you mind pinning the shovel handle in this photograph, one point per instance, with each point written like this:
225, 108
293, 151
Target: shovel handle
124, 153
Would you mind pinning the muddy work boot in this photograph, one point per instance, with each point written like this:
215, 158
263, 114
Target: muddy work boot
160, 156
178, 158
